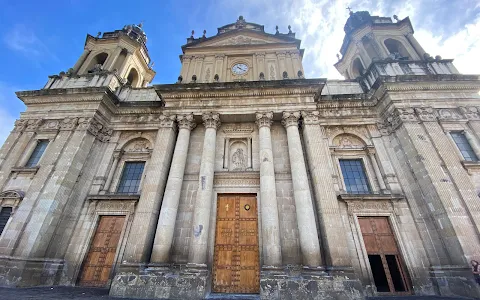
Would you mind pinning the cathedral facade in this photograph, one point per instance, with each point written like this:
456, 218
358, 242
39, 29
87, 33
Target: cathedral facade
244, 177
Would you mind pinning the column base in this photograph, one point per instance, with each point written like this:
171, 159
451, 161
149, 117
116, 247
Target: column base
297, 282
454, 281
24, 272
165, 281
194, 282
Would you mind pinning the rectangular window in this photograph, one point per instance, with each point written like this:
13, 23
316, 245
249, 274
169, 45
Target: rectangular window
5, 213
464, 146
37, 154
354, 176
131, 177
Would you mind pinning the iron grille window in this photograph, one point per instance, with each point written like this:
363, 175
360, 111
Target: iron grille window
131, 177
464, 146
36, 154
5, 213
354, 176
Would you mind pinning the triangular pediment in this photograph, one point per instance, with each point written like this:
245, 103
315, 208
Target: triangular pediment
241, 37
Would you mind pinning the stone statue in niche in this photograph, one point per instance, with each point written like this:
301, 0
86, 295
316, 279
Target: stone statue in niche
239, 160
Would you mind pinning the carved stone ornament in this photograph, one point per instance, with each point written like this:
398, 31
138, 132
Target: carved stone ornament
235, 129
470, 112
311, 117
186, 122
11, 198
264, 119
68, 123
138, 145
426, 114
290, 118
33, 125
167, 121
101, 132
50, 125
448, 114
211, 120
365, 206
20, 125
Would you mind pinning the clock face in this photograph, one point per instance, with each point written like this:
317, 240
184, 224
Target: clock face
239, 69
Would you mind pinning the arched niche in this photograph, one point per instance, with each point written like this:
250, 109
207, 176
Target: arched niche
137, 145
357, 68
11, 198
97, 62
396, 48
238, 158
348, 141
133, 77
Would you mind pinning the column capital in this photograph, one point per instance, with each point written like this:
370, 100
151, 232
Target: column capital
167, 121
264, 119
211, 120
311, 117
186, 121
290, 118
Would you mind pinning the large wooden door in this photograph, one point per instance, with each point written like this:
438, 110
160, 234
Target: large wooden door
236, 264
384, 256
101, 256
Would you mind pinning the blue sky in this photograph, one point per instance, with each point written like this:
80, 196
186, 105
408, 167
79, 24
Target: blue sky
41, 38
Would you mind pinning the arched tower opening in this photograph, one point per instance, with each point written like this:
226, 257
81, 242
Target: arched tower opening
396, 49
96, 62
357, 68
132, 78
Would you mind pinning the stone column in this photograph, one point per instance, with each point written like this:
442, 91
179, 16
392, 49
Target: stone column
376, 169
124, 65
112, 58
168, 213
81, 60
203, 204
185, 67
281, 64
249, 153
142, 232
307, 228
320, 164
272, 252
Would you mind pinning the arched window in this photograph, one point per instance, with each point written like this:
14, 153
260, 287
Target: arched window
132, 78
97, 62
396, 49
357, 68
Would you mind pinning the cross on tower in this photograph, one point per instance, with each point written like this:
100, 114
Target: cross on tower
349, 9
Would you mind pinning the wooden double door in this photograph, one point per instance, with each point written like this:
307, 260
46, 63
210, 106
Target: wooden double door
384, 256
100, 259
236, 259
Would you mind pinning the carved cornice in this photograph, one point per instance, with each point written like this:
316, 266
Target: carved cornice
426, 114
238, 129
211, 120
290, 118
264, 119
186, 121
167, 121
311, 117
470, 112
98, 130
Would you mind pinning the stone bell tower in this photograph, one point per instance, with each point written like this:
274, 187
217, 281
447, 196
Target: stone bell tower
370, 39
118, 58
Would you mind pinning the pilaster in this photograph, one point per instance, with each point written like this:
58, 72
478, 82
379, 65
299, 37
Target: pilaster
142, 233
307, 228
332, 229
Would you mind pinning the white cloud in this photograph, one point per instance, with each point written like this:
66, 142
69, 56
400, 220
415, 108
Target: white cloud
8, 112
447, 30
23, 40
